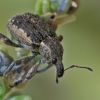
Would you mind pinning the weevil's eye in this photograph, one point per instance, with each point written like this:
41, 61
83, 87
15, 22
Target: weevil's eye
54, 60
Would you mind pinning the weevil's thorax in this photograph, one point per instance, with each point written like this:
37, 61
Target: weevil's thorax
51, 48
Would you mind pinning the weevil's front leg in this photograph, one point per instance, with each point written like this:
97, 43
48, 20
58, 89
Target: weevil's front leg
32, 71
52, 21
44, 69
7, 41
18, 63
20, 78
60, 38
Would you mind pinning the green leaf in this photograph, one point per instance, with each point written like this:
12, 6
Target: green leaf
46, 6
38, 7
55, 5
2, 87
3, 47
21, 97
60, 5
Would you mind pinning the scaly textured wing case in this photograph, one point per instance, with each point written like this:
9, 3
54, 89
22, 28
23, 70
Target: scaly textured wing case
29, 28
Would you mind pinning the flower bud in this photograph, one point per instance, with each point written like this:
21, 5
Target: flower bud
73, 7
60, 6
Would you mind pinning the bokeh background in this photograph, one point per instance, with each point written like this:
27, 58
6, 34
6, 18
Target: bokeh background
81, 47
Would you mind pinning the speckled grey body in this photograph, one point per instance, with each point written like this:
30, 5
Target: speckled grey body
36, 35
33, 33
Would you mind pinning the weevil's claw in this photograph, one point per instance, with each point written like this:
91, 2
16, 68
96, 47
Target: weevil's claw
16, 83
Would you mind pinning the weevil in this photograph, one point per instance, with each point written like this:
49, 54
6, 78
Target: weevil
36, 35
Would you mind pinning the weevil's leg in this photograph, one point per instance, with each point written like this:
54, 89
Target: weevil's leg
20, 74
18, 63
15, 83
32, 71
44, 69
78, 67
52, 21
7, 41
60, 38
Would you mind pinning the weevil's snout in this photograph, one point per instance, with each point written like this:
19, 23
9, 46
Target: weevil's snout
60, 73
59, 69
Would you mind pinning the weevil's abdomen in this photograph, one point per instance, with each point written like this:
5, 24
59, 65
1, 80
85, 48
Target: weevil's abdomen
29, 28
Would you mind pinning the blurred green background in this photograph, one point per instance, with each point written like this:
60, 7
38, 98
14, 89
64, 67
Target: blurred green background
81, 47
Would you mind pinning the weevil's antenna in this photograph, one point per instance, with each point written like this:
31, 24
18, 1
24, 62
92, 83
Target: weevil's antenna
78, 67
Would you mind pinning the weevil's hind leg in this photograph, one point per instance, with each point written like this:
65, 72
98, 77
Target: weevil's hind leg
15, 83
78, 67
32, 71
18, 63
20, 74
7, 41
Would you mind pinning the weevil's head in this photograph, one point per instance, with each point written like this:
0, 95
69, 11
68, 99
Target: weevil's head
52, 50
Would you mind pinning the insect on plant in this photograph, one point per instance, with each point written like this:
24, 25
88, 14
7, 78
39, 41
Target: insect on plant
36, 35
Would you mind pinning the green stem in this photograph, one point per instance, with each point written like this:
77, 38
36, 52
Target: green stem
7, 94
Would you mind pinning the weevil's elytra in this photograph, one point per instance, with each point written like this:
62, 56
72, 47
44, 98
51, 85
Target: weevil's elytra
36, 35
29, 28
